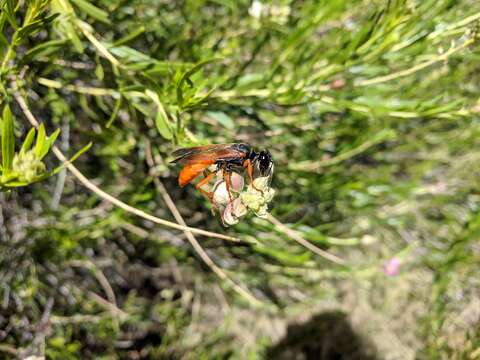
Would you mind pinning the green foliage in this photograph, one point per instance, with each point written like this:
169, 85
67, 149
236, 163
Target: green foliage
369, 108
26, 166
8, 140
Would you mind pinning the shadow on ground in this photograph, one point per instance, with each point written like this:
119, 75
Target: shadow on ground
326, 336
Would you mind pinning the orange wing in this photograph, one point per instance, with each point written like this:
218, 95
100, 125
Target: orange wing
191, 170
186, 154
197, 159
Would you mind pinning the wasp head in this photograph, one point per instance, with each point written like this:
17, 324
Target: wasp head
265, 163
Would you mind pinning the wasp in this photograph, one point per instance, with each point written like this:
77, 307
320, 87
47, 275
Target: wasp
226, 158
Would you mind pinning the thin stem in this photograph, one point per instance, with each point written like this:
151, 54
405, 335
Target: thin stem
414, 69
98, 44
316, 166
94, 91
298, 238
458, 24
102, 279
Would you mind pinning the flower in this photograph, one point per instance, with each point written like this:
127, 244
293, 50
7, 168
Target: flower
391, 267
255, 9
234, 210
27, 166
258, 195
220, 193
239, 202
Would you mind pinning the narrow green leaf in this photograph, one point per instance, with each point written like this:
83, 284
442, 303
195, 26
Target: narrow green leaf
80, 152
99, 72
141, 108
8, 139
65, 23
161, 119
162, 123
45, 49
41, 137
27, 143
130, 37
72, 159
222, 118
35, 26
92, 10
186, 76
195, 102
12, 184
9, 11
286, 258
3, 41
116, 109
49, 142
198, 66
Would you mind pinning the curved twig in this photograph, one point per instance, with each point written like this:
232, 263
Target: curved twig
414, 69
296, 236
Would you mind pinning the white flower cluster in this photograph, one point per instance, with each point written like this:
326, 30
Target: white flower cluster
27, 166
275, 13
240, 201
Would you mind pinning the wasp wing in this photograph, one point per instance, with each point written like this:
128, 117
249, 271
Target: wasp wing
190, 171
197, 159
205, 152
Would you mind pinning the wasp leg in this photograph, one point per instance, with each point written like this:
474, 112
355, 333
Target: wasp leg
248, 165
208, 194
227, 176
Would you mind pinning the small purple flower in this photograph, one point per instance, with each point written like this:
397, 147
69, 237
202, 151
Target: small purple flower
391, 267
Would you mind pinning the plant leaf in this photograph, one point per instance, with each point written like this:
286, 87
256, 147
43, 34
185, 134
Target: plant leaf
27, 143
186, 77
162, 124
9, 11
41, 137
48, 143
35, 26
222, 118
115, 111
92, 10
8, 139
44, 49
72, 159
161, 118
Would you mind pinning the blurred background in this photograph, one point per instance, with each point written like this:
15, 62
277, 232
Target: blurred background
370, 110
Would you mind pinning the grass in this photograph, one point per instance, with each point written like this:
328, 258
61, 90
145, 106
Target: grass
371, 112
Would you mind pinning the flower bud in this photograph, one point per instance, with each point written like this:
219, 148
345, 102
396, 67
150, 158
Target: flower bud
233, 211
237, 182
27, 166
258, 195
239, 201
391, 267
220, 193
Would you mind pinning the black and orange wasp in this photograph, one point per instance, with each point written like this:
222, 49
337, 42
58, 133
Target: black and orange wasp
227, 158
